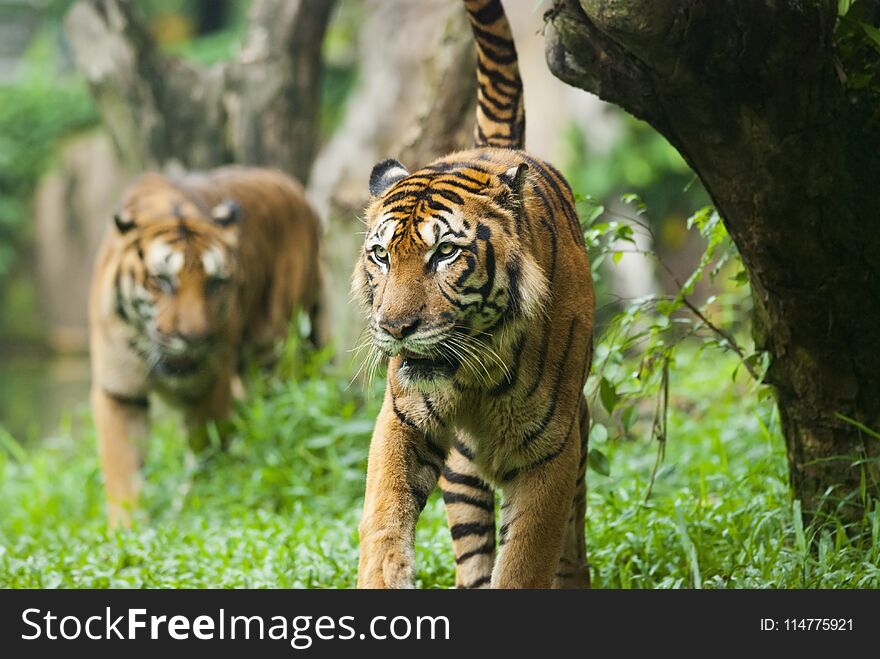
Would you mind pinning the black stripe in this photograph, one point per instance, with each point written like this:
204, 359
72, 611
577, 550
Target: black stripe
471, 266
538, 430
464, 479
502, 533
485, 38
548, 174
449, 195
502, 102
488, 14
513, 473
498, 78
425, 463
514, 273
545, 346
455, 497
432, 411
463, 449
461, 176
448, 166
402, 417
492, 116
438, 206
438, 451
459, 531
133, 401
505, 385
482, 550
482, 581
399, 196
420, 496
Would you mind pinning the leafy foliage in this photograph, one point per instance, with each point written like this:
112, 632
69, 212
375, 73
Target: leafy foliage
640, 342
35, 115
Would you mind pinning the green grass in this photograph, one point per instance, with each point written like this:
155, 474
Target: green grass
280, 509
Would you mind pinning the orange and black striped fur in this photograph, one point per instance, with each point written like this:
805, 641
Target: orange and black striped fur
194, 278
478, 286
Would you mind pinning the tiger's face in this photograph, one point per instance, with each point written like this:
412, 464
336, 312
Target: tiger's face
176, 281
441, 271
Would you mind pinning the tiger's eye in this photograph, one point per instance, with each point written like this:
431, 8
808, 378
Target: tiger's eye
162, 282
445, 249
380, 252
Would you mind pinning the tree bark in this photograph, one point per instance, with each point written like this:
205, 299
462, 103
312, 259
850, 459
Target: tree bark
166, 113
753, 96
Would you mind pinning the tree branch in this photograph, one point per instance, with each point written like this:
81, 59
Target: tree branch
580, 54
164, 112
127, 73
276, 78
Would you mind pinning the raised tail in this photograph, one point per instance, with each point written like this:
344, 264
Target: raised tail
501, 116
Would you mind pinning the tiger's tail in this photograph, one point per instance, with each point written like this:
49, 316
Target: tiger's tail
501, 116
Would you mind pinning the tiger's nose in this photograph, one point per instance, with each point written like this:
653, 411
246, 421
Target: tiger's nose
399, 329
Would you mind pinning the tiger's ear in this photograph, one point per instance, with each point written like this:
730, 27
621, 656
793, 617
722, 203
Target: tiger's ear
226, 213
512, 182
513, 178
123, 220
385, 174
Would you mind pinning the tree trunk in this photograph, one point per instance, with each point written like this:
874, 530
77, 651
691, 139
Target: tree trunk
166, 113
753, 96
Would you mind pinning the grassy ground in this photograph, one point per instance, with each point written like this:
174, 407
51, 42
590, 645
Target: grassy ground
281, 508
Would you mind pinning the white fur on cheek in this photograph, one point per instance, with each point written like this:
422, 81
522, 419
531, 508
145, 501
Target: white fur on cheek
213, 261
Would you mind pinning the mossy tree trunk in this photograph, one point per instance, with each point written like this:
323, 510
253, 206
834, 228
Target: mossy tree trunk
163, 112
755, 95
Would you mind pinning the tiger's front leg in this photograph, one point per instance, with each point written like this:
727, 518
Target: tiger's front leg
121, 423
404, 465
470, 509
215, 405
534, 517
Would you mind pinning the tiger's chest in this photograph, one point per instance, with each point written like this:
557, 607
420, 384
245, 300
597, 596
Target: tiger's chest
492, 431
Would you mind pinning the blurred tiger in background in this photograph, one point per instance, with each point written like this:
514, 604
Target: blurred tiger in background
195, 278
476, 277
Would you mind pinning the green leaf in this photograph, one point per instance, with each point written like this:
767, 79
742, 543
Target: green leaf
598, 433
873, 34
608, 395
861, 426
740, 278
598, 462
629, 417
616, 256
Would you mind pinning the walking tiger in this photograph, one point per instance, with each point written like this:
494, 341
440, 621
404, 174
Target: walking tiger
478, 286
195, 277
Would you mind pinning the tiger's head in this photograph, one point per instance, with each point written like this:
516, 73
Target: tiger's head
443, 271
176, 276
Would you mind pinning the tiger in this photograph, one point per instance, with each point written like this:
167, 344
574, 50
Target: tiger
477, 285
195, 278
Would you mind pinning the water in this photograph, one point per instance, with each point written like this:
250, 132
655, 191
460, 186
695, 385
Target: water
42, 396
